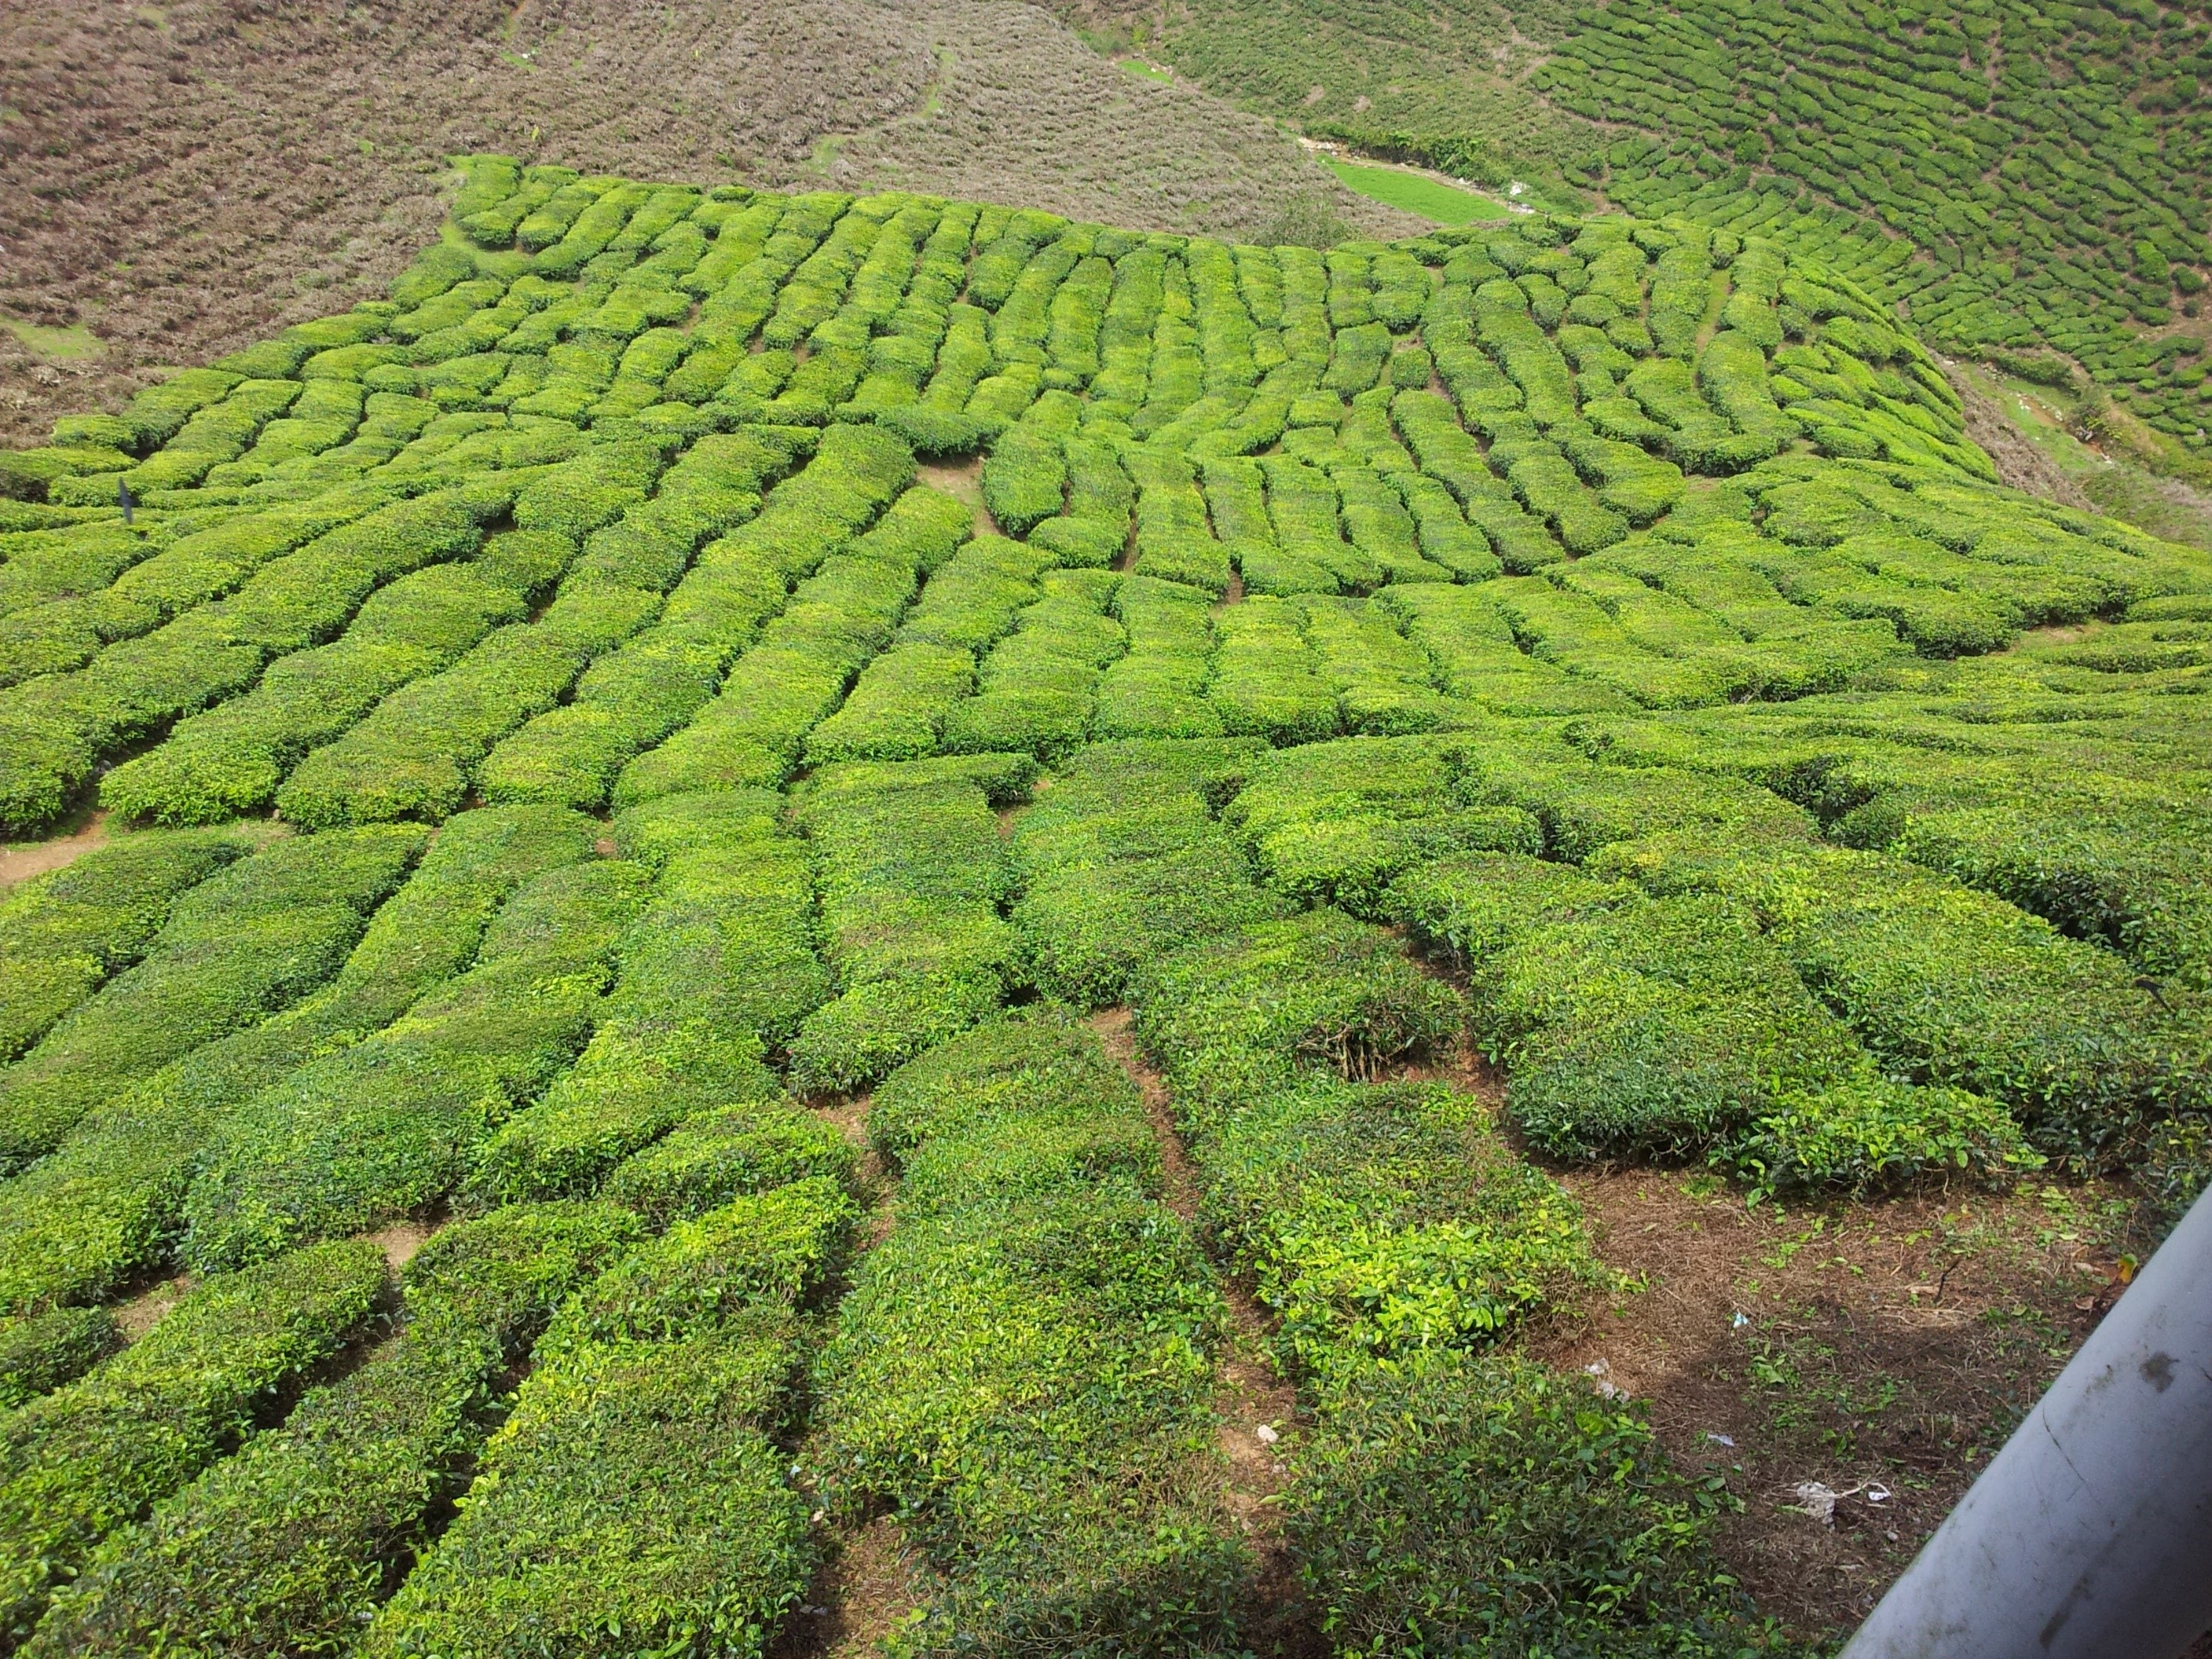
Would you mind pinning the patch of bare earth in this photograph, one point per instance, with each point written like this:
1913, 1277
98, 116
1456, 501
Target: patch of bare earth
401, 1241
21, 862
964, 481
1880, 1353
867, 1584
1257, 1409
2020, 462
138, 1316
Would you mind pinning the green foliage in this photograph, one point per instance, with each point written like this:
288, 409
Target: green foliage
1385, 1221
1024, 480
1336, 823
39, 1354
1615, 609
717, 1156
1023, 1367
770, 1248
1352, 1206
67, 722
1963, 166
1458, 1506
289, 1546
393, 1125
1670, 1028
105, 1205
88, 1458
1267, 680
63, 934
634, 1494
911, 874
1261, 1007
243, 943
714, 972
1038, 686
1120, 864
1949, 986
751, 732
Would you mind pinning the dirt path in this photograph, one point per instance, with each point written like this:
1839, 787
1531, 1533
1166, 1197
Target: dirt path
35, 858
1257, 1408
867, 1584
869, 1580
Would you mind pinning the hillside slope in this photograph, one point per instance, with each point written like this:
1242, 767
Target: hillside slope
698, 673
2017, 179
182, 181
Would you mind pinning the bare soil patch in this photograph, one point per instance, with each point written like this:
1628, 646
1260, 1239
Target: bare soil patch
964, 481
868, 1582
138, 1316
1881, 1350
402, 1240
28, 859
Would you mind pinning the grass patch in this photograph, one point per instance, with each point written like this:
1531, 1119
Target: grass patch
1414, 192
69, 344
1139, 66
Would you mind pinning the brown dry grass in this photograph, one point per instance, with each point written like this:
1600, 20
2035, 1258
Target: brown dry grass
1023, 112
2020, 462
188, 178
185, 179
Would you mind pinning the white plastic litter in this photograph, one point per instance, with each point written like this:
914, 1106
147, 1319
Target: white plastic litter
1816, 1500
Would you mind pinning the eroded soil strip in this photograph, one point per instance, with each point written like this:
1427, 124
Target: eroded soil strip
1257, 1408
1880, 1350
868, 1581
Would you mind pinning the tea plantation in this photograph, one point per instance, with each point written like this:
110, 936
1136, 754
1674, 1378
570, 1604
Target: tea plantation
2026, 183
691, 657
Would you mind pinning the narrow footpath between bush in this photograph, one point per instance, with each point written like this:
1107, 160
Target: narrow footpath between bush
1258, 1409
866, 1584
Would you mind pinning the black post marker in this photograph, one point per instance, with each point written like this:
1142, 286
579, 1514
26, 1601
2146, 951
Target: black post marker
122, 499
